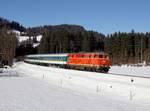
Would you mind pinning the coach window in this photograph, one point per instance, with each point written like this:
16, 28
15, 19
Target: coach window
56, 58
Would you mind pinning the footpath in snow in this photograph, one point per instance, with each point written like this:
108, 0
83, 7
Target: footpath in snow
38, 88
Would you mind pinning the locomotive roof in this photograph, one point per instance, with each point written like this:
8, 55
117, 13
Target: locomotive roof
100, 53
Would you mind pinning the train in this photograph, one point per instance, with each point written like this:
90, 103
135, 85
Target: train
97, 62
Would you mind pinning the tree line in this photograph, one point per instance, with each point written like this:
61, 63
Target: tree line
11, 25
128, 48
66, 42
8, 43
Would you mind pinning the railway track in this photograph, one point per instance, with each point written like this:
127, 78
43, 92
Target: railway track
119, 74
128, 75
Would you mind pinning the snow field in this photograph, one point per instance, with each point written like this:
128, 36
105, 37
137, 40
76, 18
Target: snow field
38, 88
105, 85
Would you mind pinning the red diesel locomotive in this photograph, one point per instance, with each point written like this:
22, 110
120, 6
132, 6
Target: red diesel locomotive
98, 62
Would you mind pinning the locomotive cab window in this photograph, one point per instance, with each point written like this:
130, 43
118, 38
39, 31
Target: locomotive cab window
95, 56
105, 56
100, 56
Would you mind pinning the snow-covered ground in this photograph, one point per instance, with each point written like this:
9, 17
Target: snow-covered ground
131, 70
22, 38
38, 88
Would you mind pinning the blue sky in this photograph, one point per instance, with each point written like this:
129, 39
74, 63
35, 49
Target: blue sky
105, 16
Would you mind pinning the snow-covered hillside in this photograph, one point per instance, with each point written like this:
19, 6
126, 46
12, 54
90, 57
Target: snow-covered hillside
22, 38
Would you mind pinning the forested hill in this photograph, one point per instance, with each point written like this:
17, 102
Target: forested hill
54, 28
11, 25
70, 38
122, 47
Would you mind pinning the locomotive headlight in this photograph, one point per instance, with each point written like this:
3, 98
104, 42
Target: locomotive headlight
104, 62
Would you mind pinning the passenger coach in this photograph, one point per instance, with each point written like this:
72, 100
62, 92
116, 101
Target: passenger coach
47, 58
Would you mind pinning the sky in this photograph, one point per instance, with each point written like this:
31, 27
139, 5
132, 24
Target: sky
104, 16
